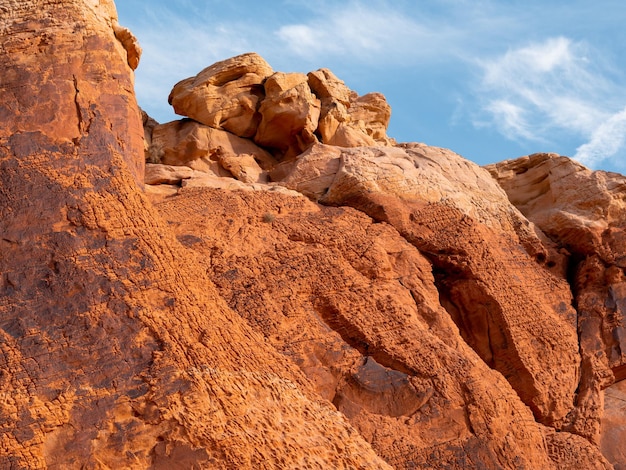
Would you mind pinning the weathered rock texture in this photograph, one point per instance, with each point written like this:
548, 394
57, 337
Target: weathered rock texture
585, 213
355, 306
454, 213
349, 120
291, 289
613, 431
117, 351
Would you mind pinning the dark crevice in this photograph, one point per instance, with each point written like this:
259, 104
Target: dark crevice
79, 113
573, 263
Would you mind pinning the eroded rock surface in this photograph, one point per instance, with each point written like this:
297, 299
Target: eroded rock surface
584, 211
117, 351
452, 211
355, 306
189, 143
220, 319
613, 431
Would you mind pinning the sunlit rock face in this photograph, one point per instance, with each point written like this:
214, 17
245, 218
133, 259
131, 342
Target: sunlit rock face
280, 284
117, 350
584, 212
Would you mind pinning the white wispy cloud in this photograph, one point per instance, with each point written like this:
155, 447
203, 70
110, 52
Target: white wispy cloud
373, 32
606, 141
557, 85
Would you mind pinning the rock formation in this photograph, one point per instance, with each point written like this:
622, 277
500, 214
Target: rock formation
290, 288
584, 212
117, 351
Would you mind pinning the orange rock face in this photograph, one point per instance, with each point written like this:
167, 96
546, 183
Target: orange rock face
290, 289
117, 351
354, 305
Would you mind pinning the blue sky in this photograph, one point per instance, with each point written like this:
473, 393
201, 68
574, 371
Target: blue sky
491, 80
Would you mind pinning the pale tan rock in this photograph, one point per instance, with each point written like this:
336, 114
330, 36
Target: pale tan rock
374, 112
329, 89
242, 166
168, 174
189, 143
290, 114
334, 97
230, 184
312, 173
225, 95
347, 120
347, 135
156, 193
566, 200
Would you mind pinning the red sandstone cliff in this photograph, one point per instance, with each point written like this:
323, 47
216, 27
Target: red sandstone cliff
291, 288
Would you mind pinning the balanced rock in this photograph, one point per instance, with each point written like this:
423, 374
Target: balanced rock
225, 95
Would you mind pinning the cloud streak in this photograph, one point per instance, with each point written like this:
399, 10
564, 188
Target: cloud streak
363, 32
555, 86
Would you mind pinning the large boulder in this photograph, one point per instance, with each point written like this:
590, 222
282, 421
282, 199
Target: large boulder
349, 120
225, 95
290, 114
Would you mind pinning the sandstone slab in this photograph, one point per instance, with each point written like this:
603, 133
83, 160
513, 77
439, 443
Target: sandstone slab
453, 211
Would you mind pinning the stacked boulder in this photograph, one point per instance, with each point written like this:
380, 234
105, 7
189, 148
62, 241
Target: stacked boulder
242, 118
